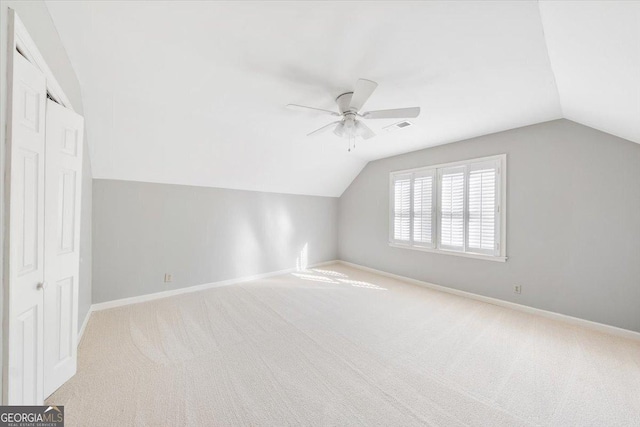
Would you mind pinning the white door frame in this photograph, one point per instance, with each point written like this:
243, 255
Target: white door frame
18, 38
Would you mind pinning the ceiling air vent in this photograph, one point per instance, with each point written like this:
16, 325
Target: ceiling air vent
399, 125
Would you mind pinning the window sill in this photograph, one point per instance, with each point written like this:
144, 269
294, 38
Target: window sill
454, 253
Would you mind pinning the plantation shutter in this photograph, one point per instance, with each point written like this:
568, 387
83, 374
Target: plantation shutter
483, 208
402, 208
423, 208
452, 208
448, 208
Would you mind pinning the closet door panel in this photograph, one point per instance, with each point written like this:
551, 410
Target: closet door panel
25, 221
62, 243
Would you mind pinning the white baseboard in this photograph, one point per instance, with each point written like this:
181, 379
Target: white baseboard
158, 295
600, 327
624, 333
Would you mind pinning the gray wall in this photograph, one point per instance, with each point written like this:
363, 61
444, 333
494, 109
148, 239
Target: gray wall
573, 222
36, 18
200, 235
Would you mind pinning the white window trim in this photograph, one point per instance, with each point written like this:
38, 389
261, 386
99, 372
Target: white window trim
502, 214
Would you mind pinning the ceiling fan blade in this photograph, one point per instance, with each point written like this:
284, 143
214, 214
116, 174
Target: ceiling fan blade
323, 128
305, 108
398, 113
364, 131
362, 92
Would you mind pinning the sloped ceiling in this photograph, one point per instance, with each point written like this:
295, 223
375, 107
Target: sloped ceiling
595, 55
194, 92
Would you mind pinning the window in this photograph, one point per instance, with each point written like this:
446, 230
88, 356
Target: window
423, 208
456, 208
402, 208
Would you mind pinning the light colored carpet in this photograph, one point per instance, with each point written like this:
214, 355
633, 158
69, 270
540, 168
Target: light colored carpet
339, 346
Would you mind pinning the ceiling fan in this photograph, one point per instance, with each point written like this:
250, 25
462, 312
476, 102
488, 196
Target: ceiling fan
349, 105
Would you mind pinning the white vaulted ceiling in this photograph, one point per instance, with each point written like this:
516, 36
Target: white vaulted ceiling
194, 92
595, 54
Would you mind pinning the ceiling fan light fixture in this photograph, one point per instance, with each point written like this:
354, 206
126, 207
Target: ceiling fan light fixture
360, 130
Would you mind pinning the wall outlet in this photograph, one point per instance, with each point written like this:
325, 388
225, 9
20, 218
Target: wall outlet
168, 278
517, 289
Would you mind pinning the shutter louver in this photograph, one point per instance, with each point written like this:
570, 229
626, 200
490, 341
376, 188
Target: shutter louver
423, 210
402, 209
482, 210
452, 209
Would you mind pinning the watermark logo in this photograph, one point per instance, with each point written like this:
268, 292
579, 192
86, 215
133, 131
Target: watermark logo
32, 416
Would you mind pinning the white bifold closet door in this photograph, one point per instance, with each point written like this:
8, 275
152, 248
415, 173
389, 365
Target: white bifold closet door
45, 177
25, 273
63, 183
